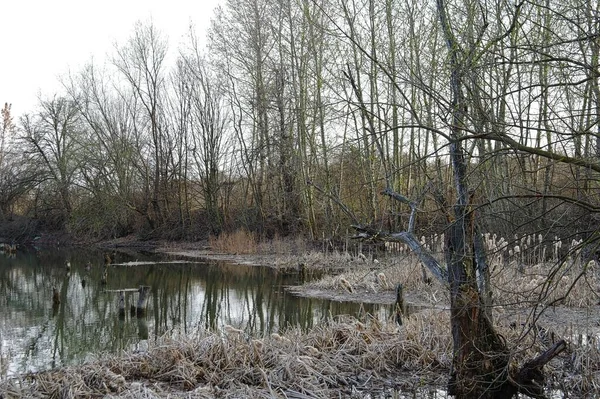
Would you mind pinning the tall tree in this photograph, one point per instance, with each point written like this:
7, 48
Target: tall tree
51, 140
242, 36
16, 177
208, 128
141, 62
481, 361
110, 170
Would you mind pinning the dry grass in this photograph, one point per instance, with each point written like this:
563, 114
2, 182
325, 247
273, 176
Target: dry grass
334, 359
239, 242
368, 278
570, 284
554, 283
534, 306
243, 242
342, 358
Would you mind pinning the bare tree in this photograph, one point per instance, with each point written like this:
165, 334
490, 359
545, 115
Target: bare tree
481, 357
141, 62
108, 151
16, 178
51, 140
208, 129
242, 37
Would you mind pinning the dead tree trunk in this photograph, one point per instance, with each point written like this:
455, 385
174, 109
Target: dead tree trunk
480, 367
480, 362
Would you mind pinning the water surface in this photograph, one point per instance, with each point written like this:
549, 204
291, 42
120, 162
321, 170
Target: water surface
36, 334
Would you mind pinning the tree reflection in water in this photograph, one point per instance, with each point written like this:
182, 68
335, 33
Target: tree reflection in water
37, 335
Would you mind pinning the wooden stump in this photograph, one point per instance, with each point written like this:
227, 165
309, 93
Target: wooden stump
400, 308
142, 302
121, 304
104, 278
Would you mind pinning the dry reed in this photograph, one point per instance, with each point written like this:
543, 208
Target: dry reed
337, 358
238, 242
342, 358
516, 281
243, 242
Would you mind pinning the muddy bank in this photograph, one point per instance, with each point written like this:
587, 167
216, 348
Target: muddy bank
560, 319
313, 266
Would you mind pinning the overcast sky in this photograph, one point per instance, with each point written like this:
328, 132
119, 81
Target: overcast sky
42, 39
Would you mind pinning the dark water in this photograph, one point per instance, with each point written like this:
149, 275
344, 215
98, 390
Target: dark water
37, 335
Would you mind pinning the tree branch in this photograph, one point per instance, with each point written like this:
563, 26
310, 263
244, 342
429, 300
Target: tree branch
409, 239
530, 378
335, 199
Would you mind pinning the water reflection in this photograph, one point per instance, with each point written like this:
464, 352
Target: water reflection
39, 332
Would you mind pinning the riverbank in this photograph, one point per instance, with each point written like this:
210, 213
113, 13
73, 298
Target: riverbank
343, 358
347, 357
566, 305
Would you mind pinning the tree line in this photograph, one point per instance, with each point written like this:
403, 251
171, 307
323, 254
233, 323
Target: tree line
298, 113
399, 118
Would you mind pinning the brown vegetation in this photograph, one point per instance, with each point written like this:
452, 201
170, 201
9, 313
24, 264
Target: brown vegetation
349, 355
343, 357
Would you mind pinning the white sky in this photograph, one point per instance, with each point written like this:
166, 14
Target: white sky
41, 40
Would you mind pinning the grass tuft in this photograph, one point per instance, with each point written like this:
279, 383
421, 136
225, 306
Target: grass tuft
238, 242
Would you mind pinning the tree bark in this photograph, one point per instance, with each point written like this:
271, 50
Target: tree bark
480, 362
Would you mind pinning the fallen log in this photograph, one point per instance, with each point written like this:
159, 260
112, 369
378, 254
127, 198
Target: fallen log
123, 290
530, 379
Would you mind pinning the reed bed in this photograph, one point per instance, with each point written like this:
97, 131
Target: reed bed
364, 279
346, 357
523, 273
245, 242
349, 357
342, 357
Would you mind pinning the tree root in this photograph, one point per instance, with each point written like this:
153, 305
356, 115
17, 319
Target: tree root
529, 380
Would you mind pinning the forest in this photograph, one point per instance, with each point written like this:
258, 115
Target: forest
298, 114
382, 120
